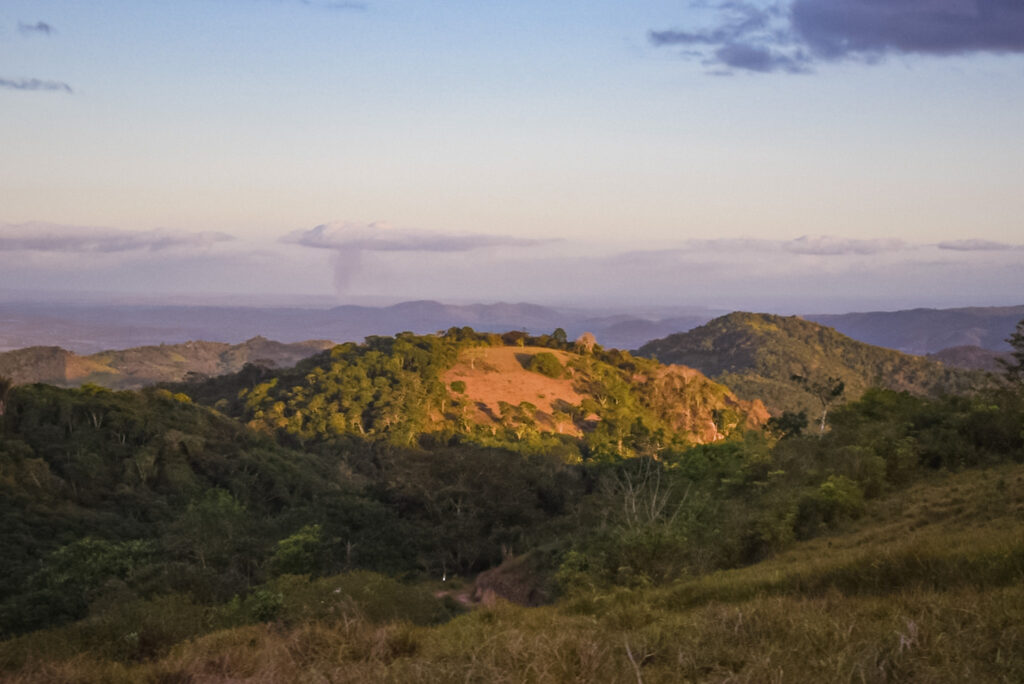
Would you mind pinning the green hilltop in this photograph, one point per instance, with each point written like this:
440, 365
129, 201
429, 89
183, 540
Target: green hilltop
757, 355
412, 389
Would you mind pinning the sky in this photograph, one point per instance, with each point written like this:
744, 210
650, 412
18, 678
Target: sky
798, 156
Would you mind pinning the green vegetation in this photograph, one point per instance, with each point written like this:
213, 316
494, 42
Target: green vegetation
391, 389
757, 355
328, 531
547, 364
926, 587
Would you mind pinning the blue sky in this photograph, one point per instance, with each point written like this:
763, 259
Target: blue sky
803, 155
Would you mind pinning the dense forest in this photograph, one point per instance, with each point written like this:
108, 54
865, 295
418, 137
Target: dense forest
757, 355
327, 521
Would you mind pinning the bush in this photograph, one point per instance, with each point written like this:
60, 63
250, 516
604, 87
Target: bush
547, 364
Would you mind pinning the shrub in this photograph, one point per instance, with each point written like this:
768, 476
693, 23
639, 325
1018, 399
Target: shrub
547, 364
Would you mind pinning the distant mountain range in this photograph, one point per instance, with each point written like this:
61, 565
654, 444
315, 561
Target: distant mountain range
90, 328
927, 331
140, 366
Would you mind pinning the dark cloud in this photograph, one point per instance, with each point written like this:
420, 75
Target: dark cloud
759, 58
34, 84
739, 20
791, 37
976, 246
843, 28
40, 27
45, 237
378, 237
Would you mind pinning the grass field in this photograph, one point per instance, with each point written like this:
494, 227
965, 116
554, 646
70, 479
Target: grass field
927, 587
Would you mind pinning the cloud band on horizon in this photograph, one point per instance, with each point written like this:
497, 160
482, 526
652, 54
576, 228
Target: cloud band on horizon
46, 237
349, 240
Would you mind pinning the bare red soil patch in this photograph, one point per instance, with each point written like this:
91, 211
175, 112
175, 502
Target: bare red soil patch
499, 374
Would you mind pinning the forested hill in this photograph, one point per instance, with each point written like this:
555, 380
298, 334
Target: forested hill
757, 355
484, 388
141, 366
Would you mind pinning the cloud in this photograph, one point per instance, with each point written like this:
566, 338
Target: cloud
832, 246
759, 58
46, 237
34, 84
977, 246
40, 27
842, 28
351, 240
794, 35
380, 237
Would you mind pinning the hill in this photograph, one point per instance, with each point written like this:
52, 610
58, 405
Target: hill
140, 366
971, 357
488, 389
757, 355
927, 331
900, 570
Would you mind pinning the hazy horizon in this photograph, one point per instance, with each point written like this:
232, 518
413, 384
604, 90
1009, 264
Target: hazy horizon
794, 156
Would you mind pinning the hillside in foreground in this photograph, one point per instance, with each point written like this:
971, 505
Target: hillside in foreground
927, 587
757, 354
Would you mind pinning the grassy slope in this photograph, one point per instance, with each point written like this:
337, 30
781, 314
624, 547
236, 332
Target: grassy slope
756, 355
928, 587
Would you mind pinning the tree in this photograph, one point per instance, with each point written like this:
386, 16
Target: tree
789, 424
547, 364
5, 389
1013, 370
827, 392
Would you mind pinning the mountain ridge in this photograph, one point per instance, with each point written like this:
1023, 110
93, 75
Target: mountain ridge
139, 366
